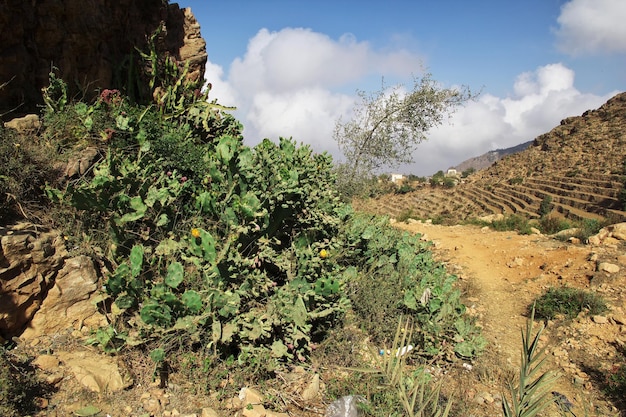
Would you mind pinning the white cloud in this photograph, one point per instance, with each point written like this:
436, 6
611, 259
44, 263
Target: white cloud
287, 83
542, 99
220, 88
290, 83
592, 26
296, 58
308, 115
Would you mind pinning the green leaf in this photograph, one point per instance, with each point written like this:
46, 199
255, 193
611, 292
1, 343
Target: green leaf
157, 194
249, 205
225, 149
117, 282
89, 411
166, 247
136, 260
299, 314
327, 286
157, 355
410, 301
192, 300
121, 122
136, 203
204, 202
163, 220
154, 313
216, 330
125, 301
175, 274
203, 246
279, 349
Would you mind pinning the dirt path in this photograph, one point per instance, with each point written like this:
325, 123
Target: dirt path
503, 272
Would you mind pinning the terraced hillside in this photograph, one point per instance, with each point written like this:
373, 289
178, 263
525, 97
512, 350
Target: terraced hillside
579, 167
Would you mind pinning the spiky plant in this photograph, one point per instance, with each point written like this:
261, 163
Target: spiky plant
533, 392
418, 397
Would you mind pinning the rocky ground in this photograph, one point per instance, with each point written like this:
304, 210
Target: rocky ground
501, 274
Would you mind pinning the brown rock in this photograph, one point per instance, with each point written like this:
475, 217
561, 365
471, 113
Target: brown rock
311, 391
607, 267
208, 412
618, 231
97, 372
68, 302
28, 123
46, 362
30, 258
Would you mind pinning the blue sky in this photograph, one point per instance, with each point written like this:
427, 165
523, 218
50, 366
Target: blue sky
292, 67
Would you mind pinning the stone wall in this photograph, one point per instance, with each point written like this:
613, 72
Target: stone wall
91, 42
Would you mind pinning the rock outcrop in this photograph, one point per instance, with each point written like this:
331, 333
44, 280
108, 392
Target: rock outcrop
42, 289
92, 43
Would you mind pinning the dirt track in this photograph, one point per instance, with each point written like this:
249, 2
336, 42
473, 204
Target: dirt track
503, 272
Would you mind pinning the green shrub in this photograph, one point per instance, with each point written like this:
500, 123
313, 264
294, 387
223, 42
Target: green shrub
468, 172
25, 166
512, 222
552, 224
18, 386
589, 227
546, 206
568, 302
394, 274
405, 215
516, 180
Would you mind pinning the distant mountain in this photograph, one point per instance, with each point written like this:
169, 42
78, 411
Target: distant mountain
487, 159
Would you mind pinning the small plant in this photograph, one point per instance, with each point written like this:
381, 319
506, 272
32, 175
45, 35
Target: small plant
512, 222
417, 396
546, 205
589, 227
568, 302
532, 394
18, 386
405, 215
553, 224
516, 180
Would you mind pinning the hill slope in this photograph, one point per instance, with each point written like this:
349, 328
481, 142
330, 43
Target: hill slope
578, 167
487, 159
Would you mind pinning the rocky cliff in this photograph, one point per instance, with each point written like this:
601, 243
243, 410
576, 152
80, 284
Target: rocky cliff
91, 42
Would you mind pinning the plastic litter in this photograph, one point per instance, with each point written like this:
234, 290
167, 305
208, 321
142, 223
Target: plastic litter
345, 406
400, 352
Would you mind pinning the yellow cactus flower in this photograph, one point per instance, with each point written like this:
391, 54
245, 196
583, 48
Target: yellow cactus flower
323, 254
195, 233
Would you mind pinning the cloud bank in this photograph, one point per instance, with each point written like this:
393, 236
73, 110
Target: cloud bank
592, 27
298, 83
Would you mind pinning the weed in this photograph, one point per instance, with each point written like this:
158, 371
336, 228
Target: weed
405, 215
512, 222
552, 224
532, 393
616, 381
516, 180
546, 205
19, 386
568, 302
25, 166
